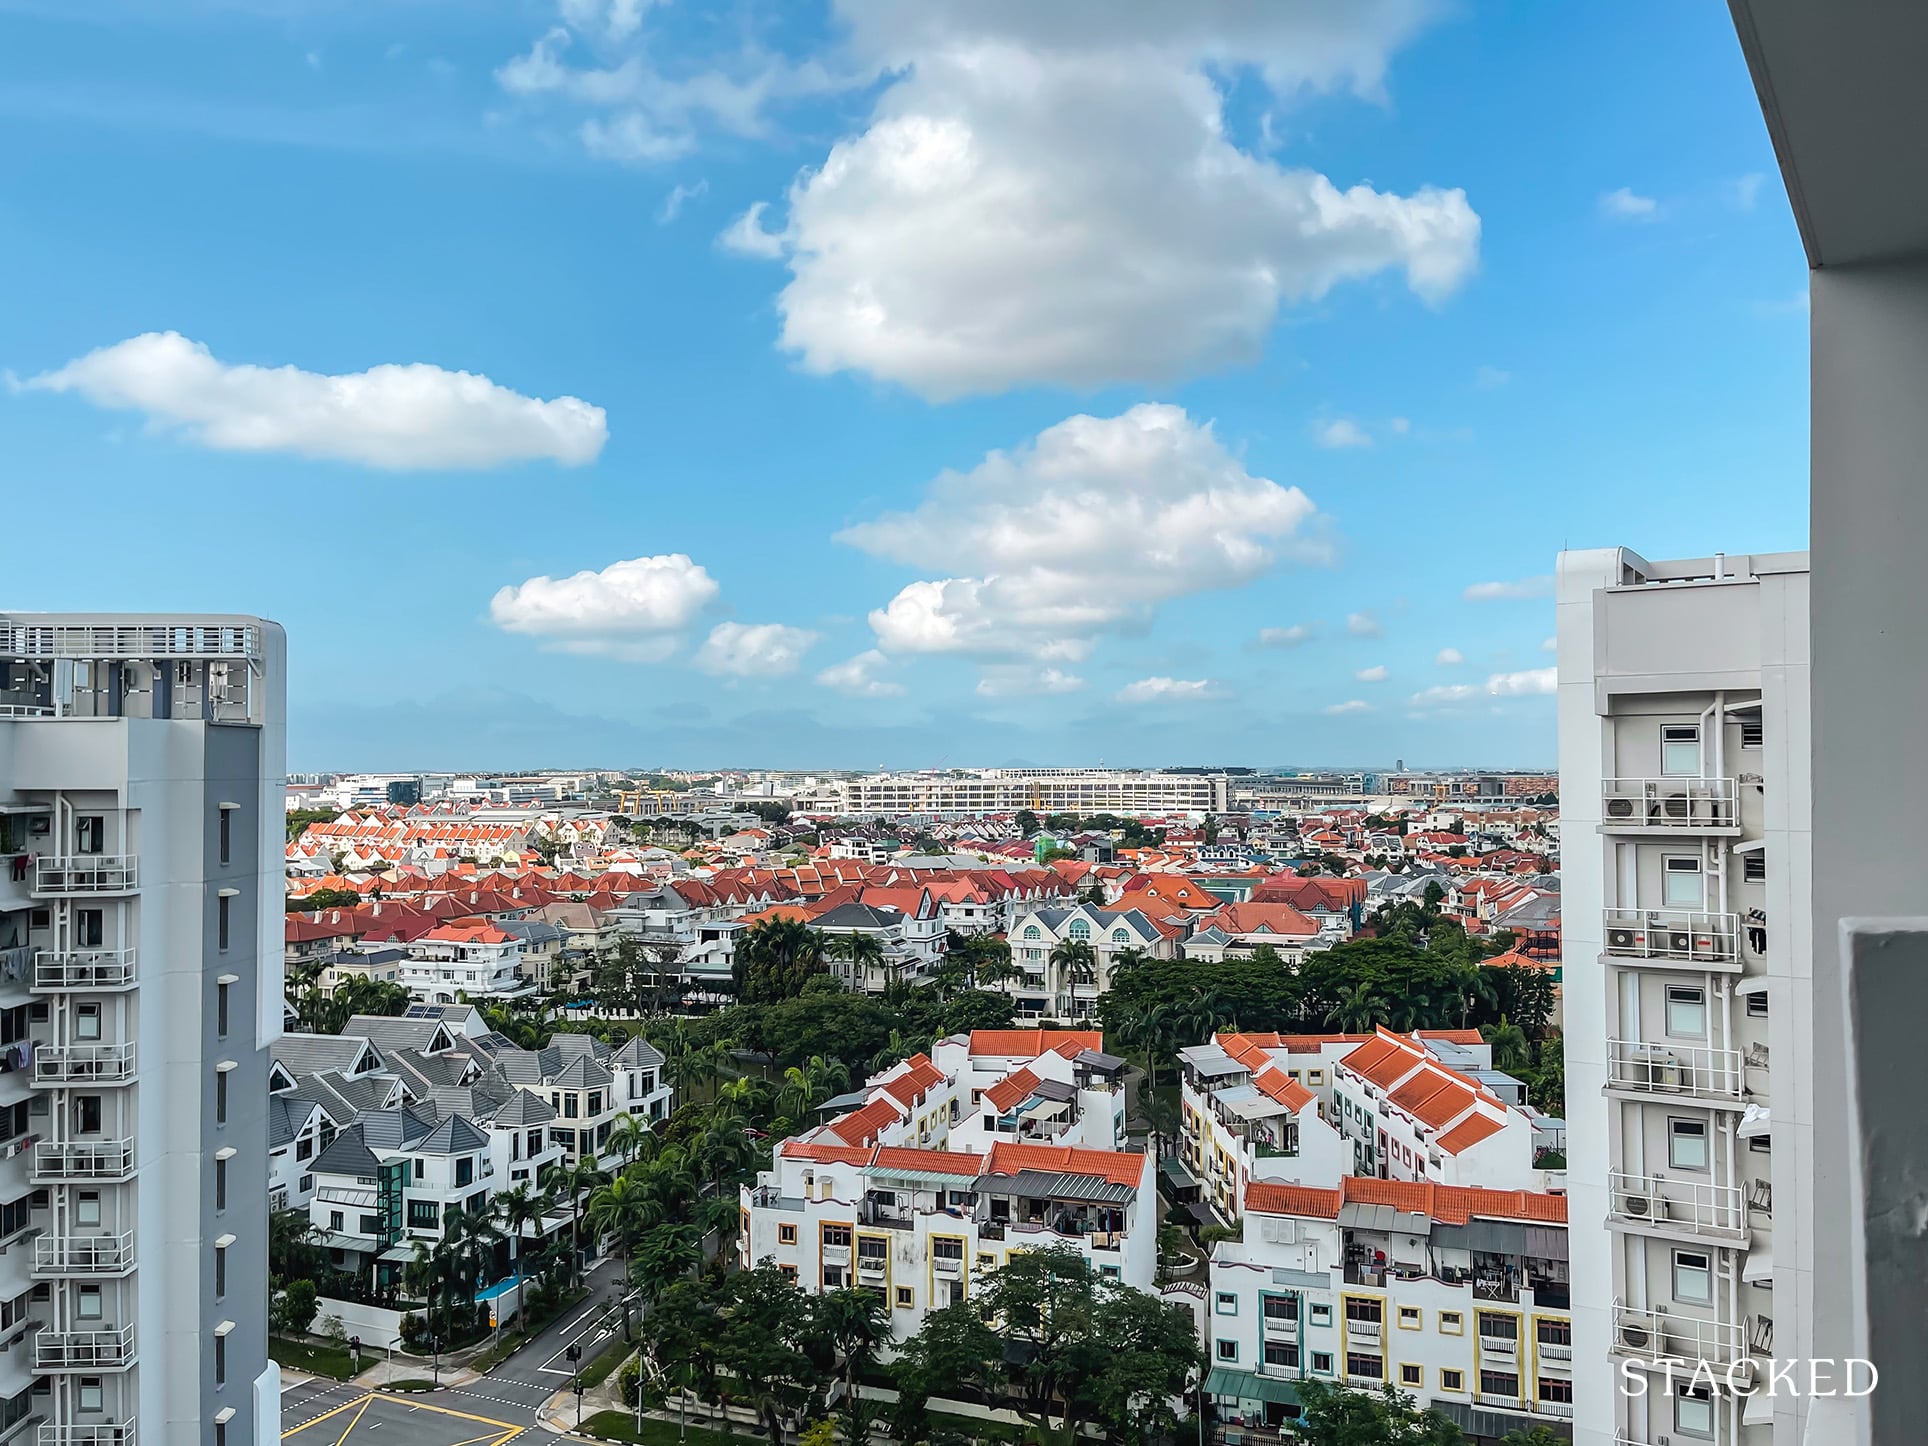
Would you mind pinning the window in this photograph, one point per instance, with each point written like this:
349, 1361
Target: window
220, 1358
1694, 1412
423, 1214
903, 1297
89, 927
222, 910
421, 1169
90, 834
86, 1021
92, 1397
1452, 1380
1227, 1303
226, 833
1757, 1005
1693, 1277
1322, 1363
1681, 882
220, 1097
1499, 1383
221, 1011
1227, 1350
1686, 1011
220, 1271
1451, 1323
1687, 1144
337, 1221
220, 1184
1079, 929
1754, 867
87, 1207
87, 1115
836, 1235
1556, 1388
1554, 1332
1363, 1365
465, 1170
1680, 750
1412, 1375
1282, 1353
1498, 1326
87, 1302
570, 1106
786, 1235
369, 1225
1321, 1314
1279, 1308
595, 1102
1410, 1318
220, 1433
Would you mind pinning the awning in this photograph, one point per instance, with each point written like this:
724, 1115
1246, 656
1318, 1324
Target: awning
1759, 1269
398, 1252
1758, 1410
1044, 1185
1232, 1385
1756, 1121
1177, 1172
1756, 985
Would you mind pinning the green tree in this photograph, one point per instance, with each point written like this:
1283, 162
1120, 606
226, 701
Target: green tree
1027, 822
774, 959
664, 1255
297, 1306
1338, 1416
855, 1325
765, 1326
1359, 1009
679, 1338
569, 1185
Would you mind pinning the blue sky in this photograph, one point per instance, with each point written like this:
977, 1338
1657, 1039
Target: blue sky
961, 383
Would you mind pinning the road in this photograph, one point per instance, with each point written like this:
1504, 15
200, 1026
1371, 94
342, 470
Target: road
495, 1410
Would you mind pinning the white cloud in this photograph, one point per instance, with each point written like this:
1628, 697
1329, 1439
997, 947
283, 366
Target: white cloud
1364, 625
633, 140
1401, 426
858, 677
1167, 690
1534, 681
746, 237
673, 203
1377, 673
1550, 645
1082, 532
764, 650
1351, 705
634, 610
1450, 658
1525, 587
1341, 432
1287, 637
405, 418
1623, 205
1743, 191
1491, 379
616, 19
1016, 680
1049, 194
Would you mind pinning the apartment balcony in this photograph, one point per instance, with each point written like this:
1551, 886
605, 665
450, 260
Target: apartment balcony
96, 1350
1365, 1330
1639, 1069
947, 1264
96, 970
89, 1064
87, 1436
1673, 938
1669, 806
82, 874
1281, 1325
1658, 1335
1677, 1205
77, 1255
103, 1162
836, 1255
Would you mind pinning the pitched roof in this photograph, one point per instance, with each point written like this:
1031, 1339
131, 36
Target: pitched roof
1011, 1090
1447, 1204
1030, 1043
863, 1126
1283, 1088
1112, 1165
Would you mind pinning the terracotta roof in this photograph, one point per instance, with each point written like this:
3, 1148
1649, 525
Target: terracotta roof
1280, 919
1268, 1197
1030, 1043
862, 1126
937, 1162
1447, 1204
1468, 1132
1012, 1089
1112, 1165
914, 1081
1283, 1088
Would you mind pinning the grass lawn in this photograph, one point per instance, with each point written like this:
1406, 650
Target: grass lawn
316, 1360
595, 1372
621, 1426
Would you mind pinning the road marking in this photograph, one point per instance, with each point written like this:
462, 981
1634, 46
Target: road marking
356, 1417
333, 1411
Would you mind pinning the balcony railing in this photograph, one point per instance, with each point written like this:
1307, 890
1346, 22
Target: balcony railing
58, 1255
105, 1161
87, 1435
93, 969
97, 1350
1673, 936
1653, 1335
86, 874
1677, 1204
83, 1064
1681, 804
1639, 1067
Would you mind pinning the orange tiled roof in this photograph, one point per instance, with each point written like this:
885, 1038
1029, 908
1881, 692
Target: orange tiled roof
1030, 1043
1013, 1088
1269, 1197
863, 1126
1447, 1204
1468, 1132
915, 1080
1113, 1165
1283, 1088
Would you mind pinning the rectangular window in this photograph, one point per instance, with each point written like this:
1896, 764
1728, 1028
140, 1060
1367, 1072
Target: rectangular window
1227, 1303
220, 1360
1693, 1277
221, 916
1680, 750
569, 1106
1363, 1365
786, 1235
87, 1302
1686, 1011
1499, 1383
227, 836
1687, 1144
423, 1214
1322, 1363
337, 1221
89, 927
1754, 867
220, 1271
87, 1207
1279, 1307
1451, 1323
1554, 1332
1452, 1380
221, 1011
92, 1395
86, 1021
1498, 1326
1321, 1314
220, 1184
1681, 881
1694, 1413
220, 1097
465, 1171
836, 1235
1753, 735
1412, 1375
1556, 1388
1227, 1350
903, 1297
90, 834
1282, 1353
1411, 1318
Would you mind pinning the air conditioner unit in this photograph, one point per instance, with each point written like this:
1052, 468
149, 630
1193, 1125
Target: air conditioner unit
1620, 808
1635, 1336
1680, 942
1675, 805
1638, 1206
1627, 939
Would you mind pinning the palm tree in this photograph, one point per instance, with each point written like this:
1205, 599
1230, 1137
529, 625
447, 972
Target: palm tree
1511, 1049
1204, 1012
862, 952
472, 1236
855, 1324
807, 1085
518, 1207
626, 1136
1074, 961
1358, 1010
571, 1183
666, 1254
624, 1208
1473, 985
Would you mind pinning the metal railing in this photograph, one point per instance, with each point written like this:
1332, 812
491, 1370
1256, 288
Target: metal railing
83, 1064
55, 969
106, 1161
55, 1255
1668, 1070
87, 1435
87, 874
1712, 941
26, 710
98, 1350
1680, 1204
1654, 1335
1669, 803
153, 640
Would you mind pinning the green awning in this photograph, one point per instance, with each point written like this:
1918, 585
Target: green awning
1250, 1386
1177, 1172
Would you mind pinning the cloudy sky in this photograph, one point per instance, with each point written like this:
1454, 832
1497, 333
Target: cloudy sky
861, 383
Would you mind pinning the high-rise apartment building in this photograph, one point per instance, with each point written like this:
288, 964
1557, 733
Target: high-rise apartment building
141, 889
1685, 817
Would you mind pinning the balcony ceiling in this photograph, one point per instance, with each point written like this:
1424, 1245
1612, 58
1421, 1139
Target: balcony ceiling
1840, 83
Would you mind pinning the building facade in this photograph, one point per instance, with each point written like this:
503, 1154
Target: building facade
1683, 699
141, 825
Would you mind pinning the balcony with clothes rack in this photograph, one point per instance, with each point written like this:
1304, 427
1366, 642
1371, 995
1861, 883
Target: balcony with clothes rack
83, 1064
70, 875
106, 1162
108, 1349
1672, 939
56, 1256
100, 971
1669, 806
1677, 1206
1643, 1070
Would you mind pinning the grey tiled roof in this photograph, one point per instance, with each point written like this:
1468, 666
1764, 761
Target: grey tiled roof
454, 1136
523, 1108
304, 1054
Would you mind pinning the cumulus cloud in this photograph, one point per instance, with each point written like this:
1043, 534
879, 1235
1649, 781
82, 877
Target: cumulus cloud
1549, 645
1364, 625
762, 650
1516, 590
1743, 191
1050, 194
1015, 680
1351, 705
634, 610
746, 237
1287, 637
1167, 690
1449, 658
1082, 532
1532, 682
404, 418
857, 677
1341, 432
1623, 205
1375, 674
